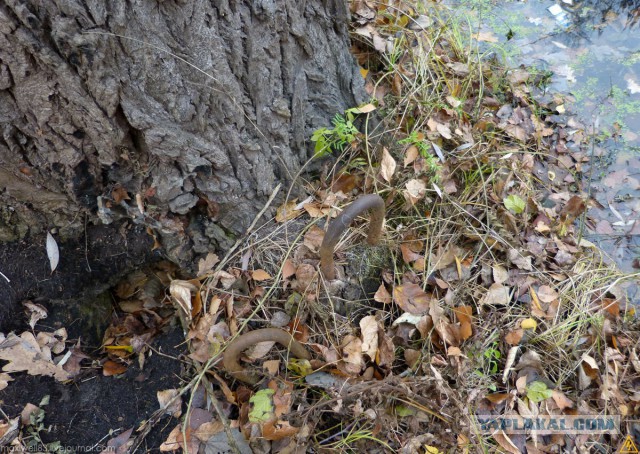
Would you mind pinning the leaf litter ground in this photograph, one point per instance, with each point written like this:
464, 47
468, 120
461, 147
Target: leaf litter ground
481, 299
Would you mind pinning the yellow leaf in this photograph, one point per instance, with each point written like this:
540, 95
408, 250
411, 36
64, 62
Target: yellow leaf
529, 324
364, 72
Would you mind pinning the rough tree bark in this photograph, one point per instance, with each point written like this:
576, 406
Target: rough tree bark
199, 106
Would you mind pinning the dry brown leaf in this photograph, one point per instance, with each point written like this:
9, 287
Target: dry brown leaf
415, 191
505, 442
369, 334
277, 430
514, 337
352, 355
387, 165
287, 211
561, 400
173, 408
497, 295
24, 354
110, 368
411, 298
260, 275
382, 295
411, 155
288, 269
546, 294
313, 238
500, 274
206, 264
408, 254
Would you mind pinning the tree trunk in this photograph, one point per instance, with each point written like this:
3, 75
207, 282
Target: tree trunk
197, 107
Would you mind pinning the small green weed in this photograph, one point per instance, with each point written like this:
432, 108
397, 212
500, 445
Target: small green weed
424, 148
343, 133
33, 441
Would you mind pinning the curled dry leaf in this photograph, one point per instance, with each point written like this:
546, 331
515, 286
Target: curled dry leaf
35, 311
369, 333
387, 165
52, 252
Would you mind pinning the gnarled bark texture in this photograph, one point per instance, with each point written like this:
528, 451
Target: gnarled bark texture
201, 107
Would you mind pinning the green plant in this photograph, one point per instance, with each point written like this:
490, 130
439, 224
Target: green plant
343, 133
424, 148
33, 440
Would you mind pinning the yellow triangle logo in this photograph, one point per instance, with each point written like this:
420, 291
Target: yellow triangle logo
628, 446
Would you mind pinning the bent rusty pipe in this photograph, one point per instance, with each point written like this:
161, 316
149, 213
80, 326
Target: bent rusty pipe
231, 357
367, 202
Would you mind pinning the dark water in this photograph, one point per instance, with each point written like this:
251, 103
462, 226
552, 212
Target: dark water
593, 50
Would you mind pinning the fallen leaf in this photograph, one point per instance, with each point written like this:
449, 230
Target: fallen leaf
561, 400
546, 294
26, 413
500, 274
170, 402
382, 295
52, 252
110, 368
313, 238
287, 211
260, 275
415, 191
120, 443
369, 334
24, 354
35, 311
387, 165
529, 323
206, 264
411, 298
514, 337
288, 269
497, 295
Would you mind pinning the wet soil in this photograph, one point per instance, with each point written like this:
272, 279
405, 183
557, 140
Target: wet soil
88, 266
81, 415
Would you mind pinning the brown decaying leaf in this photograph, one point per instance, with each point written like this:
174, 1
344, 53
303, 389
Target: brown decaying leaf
288, 269
514, 337
170, 402
287, 211
260, 275
382, 295
313, 238
387, 165
369, 334
23, 353
411, 298
497, 295
110, 368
